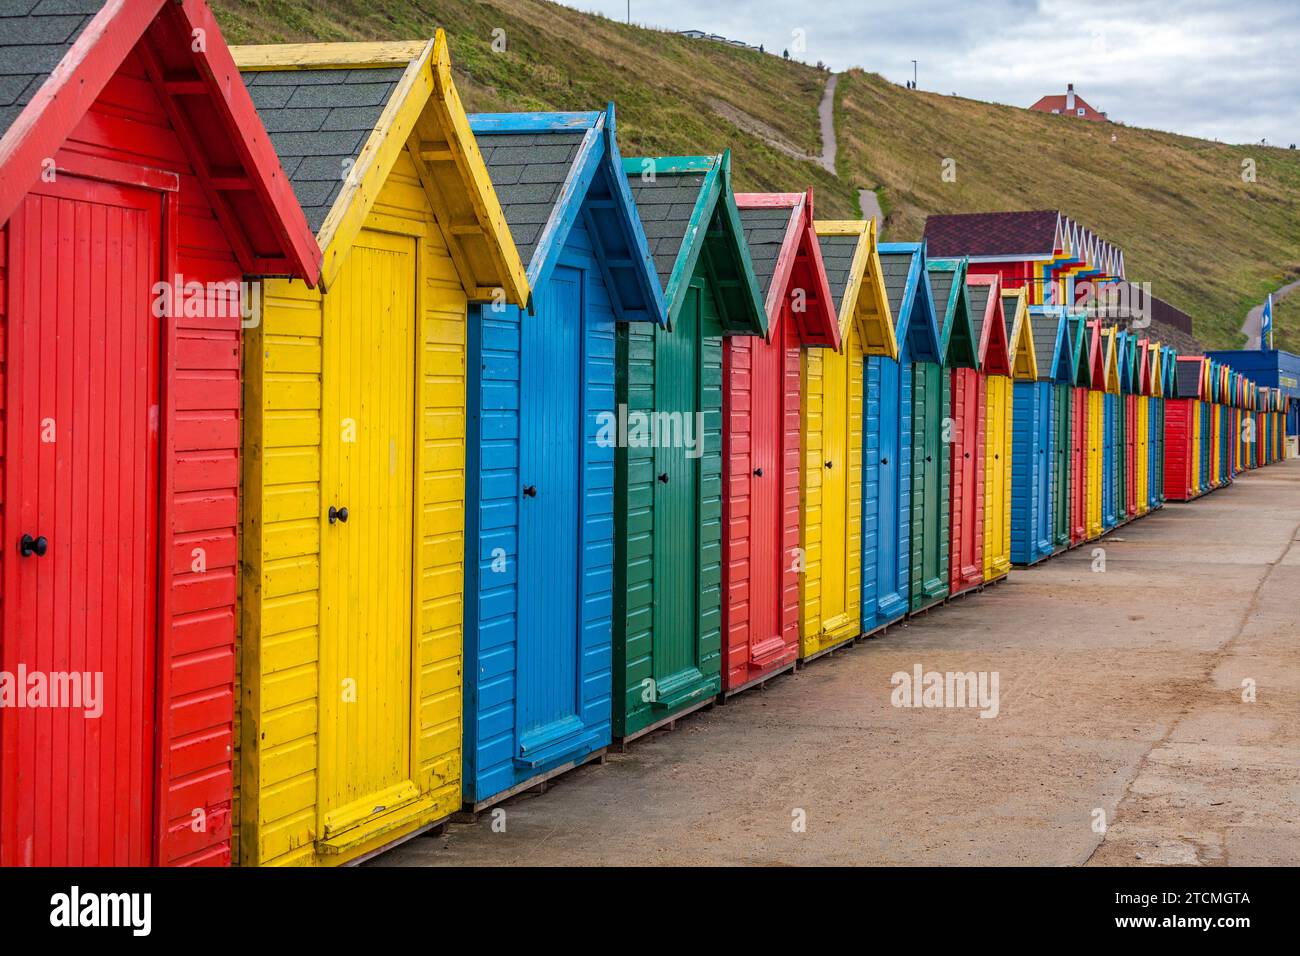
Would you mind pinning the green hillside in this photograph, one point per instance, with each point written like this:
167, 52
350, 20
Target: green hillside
1207, 241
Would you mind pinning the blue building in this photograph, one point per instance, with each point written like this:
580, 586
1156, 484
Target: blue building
1271, 368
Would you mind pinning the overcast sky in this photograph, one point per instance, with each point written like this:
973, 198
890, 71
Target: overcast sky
1211, 68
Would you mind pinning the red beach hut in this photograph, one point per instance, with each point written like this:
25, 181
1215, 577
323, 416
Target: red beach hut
761, 463
137, 190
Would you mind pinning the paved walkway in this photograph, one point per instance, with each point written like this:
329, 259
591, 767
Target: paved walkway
1120, 698
1251, 328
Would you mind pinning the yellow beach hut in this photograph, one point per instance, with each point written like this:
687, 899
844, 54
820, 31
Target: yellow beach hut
354, 443
999, 433
831, 417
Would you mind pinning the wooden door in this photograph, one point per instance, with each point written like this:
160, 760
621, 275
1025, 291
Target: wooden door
81, 526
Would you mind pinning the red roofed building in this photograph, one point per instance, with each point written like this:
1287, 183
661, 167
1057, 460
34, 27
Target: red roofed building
1071, 104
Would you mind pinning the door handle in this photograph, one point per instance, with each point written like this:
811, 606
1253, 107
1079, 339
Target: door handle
338, 514
929, 458
29, 546
884, 461
967, 455
830, 464
663, 479
530, 491
758, 472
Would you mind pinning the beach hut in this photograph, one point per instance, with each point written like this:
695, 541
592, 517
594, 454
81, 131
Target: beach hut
1156, 430
1111, 469
668, 457
542, 431
1096, 421
1213, 435
1040, 424
1143, 449
140, 199
999, 443
889, 403
1123, 464
1168, 362
355, 453
966, 564
928, 574
1182, 419
1079, 428
762, 460
933, 409
1130, 385
832, 531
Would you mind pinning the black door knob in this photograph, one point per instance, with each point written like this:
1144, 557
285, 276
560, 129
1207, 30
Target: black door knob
530, 491
928, 458
830, 464
663, 479
758, 472
338, 514
884, 461
29, 546
996, 456
967, 455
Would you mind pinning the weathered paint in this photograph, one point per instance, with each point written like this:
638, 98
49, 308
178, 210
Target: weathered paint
352, 629
668, 486
121, 415
832, 420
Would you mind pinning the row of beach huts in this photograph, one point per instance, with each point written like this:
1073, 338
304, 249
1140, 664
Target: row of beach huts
365, 462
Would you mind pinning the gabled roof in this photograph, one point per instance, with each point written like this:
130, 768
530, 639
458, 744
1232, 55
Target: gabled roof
1157, 373
788, 263
1032, 235
1096, 356
1112, 360
691, 222
552, 170
1052, 348
985, 295
853, 274
57, 57
1079, 343
1020, 334
1168, 355
907, 284
957, 337
340, 116
1144, 367
1122, 359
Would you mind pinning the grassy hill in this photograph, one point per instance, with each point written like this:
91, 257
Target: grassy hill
1207, 241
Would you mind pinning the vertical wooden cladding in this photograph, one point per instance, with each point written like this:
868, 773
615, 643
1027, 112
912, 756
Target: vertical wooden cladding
999, 446
832, 424
891, 429
352, 627
542, 473
139, 412
668, 496
762, 460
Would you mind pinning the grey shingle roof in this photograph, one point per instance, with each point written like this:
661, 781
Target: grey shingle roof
34, 36
941, 289
1045, 328
665, 206
528, 171
894, 266
978, 297
765, 228
837, 258
318, 121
